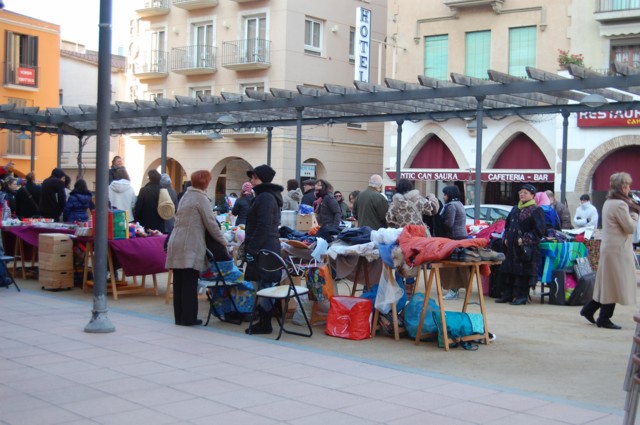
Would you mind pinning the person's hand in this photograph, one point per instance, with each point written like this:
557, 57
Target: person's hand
9, 166
249, 258
519, 241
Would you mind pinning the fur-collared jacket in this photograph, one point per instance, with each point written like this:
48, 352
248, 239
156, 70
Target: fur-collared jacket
408, 208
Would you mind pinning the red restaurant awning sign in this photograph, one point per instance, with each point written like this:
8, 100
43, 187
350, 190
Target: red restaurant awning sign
27, 76
513, 176
609, 118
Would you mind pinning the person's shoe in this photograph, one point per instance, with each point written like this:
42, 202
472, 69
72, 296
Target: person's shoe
260, 328
607, 324
492, 337
451, 295
503, 300
520, 301
588, 316
196, 323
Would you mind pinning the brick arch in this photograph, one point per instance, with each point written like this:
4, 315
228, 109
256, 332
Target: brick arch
595, 158
422, 136
493, 151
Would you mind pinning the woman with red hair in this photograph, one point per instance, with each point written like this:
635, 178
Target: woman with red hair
186, 250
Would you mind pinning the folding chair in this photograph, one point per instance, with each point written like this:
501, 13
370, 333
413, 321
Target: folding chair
6, 278
217, 291
269, 261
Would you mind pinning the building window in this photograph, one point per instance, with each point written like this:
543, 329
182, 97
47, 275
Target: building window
352, 45
522, 50
477, 54
202, 52
200, 92
14, 144
436, 57
251, 86
628, 55
313, 36
153, 95
255, 32
21, 59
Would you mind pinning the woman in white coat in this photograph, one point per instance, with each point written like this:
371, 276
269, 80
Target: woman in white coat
121, 194
616, 277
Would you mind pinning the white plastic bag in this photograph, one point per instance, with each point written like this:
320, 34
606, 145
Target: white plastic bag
388, 293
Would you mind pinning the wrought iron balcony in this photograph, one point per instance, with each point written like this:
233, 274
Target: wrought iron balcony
194, 60
149, 8
195, 4
248, 54
19, 74
151, 64
617, 10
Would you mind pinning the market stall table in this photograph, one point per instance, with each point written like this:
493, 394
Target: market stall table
15, 238
431, 272
136, 257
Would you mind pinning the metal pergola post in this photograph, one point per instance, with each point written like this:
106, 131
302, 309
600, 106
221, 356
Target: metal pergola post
163, 145
298, 140
563, 179
269, 136
478, 182
398, 149
33, 148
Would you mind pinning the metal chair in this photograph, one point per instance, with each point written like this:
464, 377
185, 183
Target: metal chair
270, 261
6, 280
216, 290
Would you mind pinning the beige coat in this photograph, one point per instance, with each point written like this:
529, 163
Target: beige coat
187, 248
616, 278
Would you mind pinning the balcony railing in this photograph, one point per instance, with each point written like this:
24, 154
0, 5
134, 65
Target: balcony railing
246, 54
18, 74
195, 4
193, 60
148, 8
617, 10
151, 64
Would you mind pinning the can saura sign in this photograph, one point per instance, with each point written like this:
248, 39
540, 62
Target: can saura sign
461, 175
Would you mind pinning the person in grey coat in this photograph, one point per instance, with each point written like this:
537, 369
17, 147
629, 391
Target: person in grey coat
454, 225
186, 249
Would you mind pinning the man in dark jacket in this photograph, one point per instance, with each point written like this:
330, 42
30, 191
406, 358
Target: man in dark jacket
28, 198
53, 197
146, 208
309, 190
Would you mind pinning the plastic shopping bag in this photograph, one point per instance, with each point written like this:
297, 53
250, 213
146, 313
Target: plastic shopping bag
388, 293
349, 317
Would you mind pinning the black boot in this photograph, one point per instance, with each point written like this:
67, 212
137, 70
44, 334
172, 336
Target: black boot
589, 310
263, 326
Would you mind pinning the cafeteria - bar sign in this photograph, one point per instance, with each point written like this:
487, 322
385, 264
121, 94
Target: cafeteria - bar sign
629, 118
493, 176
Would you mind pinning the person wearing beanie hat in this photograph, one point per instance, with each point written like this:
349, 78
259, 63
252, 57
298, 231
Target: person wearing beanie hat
52, 195
261, 232
146, 208
241, 207
309, 192
524, 228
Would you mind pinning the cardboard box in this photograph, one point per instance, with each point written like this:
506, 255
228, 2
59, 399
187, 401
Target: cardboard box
55, 262
55, 243
306, 222
50, 279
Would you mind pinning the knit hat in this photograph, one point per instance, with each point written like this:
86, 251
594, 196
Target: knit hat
263, 172
309, 182
529, 187
246, 188
165, 180
58, 173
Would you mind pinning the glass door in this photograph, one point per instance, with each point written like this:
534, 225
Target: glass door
255, 35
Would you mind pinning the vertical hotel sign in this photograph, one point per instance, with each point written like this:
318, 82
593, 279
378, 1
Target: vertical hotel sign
363, 44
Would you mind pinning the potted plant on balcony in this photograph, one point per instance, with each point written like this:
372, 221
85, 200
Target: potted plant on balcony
565, 59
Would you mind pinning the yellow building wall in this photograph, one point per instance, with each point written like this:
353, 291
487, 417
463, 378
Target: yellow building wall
45, 95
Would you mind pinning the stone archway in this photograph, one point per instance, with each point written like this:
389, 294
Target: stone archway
593, 160
422, 136
493, 150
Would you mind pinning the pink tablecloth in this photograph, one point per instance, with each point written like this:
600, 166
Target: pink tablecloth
140, 256
28, 235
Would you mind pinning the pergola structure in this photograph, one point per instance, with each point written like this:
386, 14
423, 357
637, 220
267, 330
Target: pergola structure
463, 97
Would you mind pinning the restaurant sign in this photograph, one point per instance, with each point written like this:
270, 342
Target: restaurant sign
509, 176
629, 118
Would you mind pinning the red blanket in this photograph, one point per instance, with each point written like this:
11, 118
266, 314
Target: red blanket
418, 249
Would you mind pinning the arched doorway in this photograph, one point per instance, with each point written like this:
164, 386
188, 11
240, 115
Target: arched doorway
521, 153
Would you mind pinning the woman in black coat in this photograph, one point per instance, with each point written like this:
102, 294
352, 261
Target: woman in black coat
145, 211
524, 228
261, 232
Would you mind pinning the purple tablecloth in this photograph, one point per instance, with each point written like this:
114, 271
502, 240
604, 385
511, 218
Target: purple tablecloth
140, 256
29, 234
